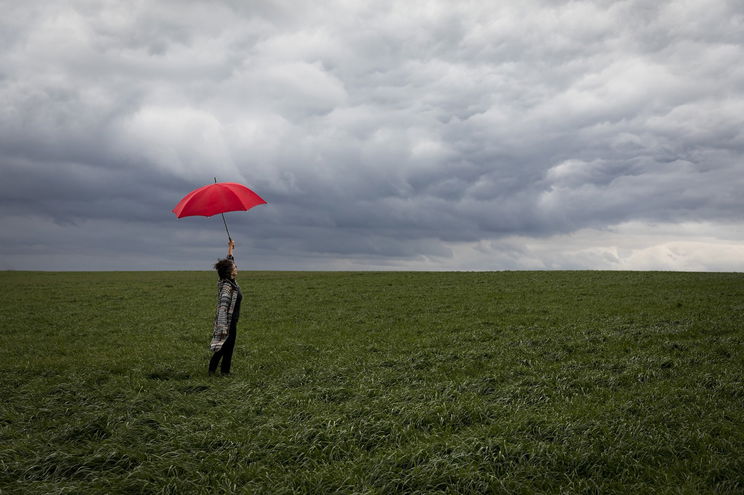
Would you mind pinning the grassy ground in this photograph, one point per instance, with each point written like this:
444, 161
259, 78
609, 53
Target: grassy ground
510, 382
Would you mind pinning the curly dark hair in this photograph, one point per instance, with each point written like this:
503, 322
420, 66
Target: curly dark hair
224, 268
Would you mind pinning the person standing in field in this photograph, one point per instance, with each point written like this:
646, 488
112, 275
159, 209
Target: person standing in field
225, 328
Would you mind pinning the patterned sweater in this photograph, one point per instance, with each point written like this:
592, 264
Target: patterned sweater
228, 292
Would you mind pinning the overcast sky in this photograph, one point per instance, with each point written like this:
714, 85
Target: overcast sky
438, 135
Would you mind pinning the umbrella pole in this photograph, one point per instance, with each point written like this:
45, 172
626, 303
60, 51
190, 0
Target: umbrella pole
223, 219
228, 232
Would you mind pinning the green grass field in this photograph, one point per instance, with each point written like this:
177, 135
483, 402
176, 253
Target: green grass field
504, 382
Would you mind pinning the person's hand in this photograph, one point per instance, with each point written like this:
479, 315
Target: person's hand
231, 244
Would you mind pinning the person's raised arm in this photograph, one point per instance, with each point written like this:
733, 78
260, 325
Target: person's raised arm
230, 247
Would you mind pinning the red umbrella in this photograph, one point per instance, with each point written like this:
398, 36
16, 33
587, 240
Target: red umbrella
219, 197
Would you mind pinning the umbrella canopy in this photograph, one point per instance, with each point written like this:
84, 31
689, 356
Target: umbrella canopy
219, 197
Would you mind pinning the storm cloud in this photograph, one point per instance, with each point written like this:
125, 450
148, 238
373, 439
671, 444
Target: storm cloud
384, 135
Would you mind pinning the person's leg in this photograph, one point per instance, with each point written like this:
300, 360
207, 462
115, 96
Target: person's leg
227, 349
215, 359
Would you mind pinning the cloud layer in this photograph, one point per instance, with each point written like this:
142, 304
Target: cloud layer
422, 135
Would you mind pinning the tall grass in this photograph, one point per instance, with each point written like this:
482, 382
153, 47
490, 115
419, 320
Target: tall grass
506, 382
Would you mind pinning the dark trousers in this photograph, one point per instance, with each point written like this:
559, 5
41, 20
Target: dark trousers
225, 354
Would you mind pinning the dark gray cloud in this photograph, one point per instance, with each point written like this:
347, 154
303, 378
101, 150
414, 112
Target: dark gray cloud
425, 135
